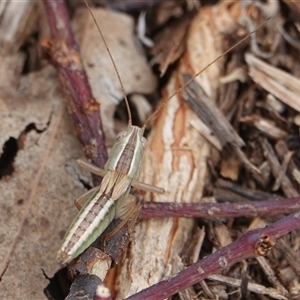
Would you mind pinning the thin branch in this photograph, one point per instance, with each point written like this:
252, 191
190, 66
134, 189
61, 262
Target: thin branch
254, 243
62, 51
220, 210
88, 287
252, 287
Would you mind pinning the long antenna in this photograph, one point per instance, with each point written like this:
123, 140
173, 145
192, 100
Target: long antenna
183, 86
189, 81
113, 62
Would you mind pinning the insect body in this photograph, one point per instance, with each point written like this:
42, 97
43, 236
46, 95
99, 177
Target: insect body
105, 201
109, 200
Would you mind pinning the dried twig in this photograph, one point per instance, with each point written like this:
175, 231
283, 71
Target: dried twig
213, 117
90, 287
254, 243
253, 287
281, 84
220, 210
286, 184
63, 53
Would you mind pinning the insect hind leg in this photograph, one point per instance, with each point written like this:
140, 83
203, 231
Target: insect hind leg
80, 201
128, 211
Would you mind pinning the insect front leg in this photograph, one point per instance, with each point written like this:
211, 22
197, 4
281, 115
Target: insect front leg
147, 187
135, 183
91, 168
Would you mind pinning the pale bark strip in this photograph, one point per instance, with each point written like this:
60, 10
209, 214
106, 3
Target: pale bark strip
175, 160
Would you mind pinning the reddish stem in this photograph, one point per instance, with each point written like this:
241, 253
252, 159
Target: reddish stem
63, 53
220, 210
253, 243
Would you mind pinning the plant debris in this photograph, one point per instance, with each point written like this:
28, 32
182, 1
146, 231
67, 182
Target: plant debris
225, 147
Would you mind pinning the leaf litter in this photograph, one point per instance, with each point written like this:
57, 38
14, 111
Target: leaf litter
37, 196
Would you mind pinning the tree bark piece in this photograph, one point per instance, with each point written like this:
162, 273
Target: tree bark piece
175, 159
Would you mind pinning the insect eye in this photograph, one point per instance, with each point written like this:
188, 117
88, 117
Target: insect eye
144, 142
120, 135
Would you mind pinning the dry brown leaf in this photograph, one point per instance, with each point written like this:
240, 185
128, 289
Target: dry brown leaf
168, 9
37, 199
170, 43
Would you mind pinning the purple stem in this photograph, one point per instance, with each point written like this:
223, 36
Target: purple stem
253, 243
220, 210
63, 52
